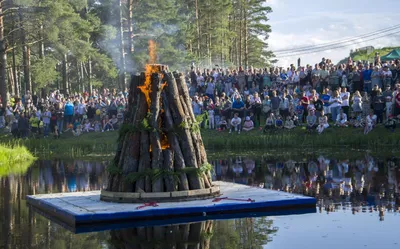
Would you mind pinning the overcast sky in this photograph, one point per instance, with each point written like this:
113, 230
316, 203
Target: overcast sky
311, 22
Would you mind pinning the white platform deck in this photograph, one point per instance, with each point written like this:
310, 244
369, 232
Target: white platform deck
86, 208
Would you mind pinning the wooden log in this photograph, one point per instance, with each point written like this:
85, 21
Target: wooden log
185, 138
197, 139
143, 184
155, 139
168, 165
114, 181
131, 162
179, 161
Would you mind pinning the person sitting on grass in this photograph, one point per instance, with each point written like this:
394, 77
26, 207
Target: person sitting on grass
97, 126
248, 124
279, 122
341, 119
289, 123
107, 124
114, 121
270, 122
390, 123
352, 120
88, 126
77, 131
323, 122
311, 121
236, 123
370, 122
223, 125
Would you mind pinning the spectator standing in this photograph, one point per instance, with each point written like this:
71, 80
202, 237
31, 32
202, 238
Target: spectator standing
378, 104
46, 122
68, 113
23, 126
335, 104
345, 96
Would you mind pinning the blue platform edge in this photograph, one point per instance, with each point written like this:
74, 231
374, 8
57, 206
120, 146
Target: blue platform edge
76, 219
99, 227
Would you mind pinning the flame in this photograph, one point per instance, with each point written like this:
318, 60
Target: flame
150, 69
164, 142
146, 87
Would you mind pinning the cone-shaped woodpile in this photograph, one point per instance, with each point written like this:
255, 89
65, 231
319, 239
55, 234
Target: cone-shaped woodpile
195, 235
160, 145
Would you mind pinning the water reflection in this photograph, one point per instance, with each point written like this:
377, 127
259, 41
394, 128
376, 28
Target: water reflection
365, 181
364, 186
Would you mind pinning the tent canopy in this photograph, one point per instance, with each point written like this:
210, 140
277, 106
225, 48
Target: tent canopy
395, 54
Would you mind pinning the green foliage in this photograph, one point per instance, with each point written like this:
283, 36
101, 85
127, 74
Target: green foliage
364, 56
14, 159
44, 71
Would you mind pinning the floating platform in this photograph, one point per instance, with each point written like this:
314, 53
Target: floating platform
85, 208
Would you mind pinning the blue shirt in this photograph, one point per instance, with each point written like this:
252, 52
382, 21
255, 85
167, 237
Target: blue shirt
367, 74
69, 109
325, 98
237, 104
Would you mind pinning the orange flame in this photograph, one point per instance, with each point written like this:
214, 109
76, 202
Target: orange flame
146, 88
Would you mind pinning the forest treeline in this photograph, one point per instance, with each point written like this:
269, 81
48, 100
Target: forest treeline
76, 45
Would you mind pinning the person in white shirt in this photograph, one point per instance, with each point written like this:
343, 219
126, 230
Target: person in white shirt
345, 95
341, 119
236, 123
335, 104
370, 121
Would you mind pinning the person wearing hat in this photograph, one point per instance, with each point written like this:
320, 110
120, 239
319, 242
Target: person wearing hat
248, 124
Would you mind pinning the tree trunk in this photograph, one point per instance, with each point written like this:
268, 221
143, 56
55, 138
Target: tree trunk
14, 67
198, 28
3, 60
122, 67
11, 82
65, 84
25, 56
130, 34
246, 39
90, 75
240, 35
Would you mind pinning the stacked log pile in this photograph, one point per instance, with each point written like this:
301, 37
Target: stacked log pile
160, 146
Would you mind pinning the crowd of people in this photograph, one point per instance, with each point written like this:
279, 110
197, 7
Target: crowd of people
356, 94
31, 116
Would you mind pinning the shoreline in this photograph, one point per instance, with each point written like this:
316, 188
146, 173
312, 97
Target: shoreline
103, 145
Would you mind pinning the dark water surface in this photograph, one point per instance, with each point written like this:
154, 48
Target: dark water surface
358, 207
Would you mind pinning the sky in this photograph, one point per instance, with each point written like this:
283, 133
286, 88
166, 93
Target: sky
311, 22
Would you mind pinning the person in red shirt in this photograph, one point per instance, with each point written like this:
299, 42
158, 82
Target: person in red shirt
304, 102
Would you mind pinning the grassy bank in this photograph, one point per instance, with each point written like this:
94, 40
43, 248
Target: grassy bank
103, 145
14, 160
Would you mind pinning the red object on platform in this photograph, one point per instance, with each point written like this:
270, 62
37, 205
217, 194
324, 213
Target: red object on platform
149, 204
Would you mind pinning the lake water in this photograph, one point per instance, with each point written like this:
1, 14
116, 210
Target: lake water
358, 207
